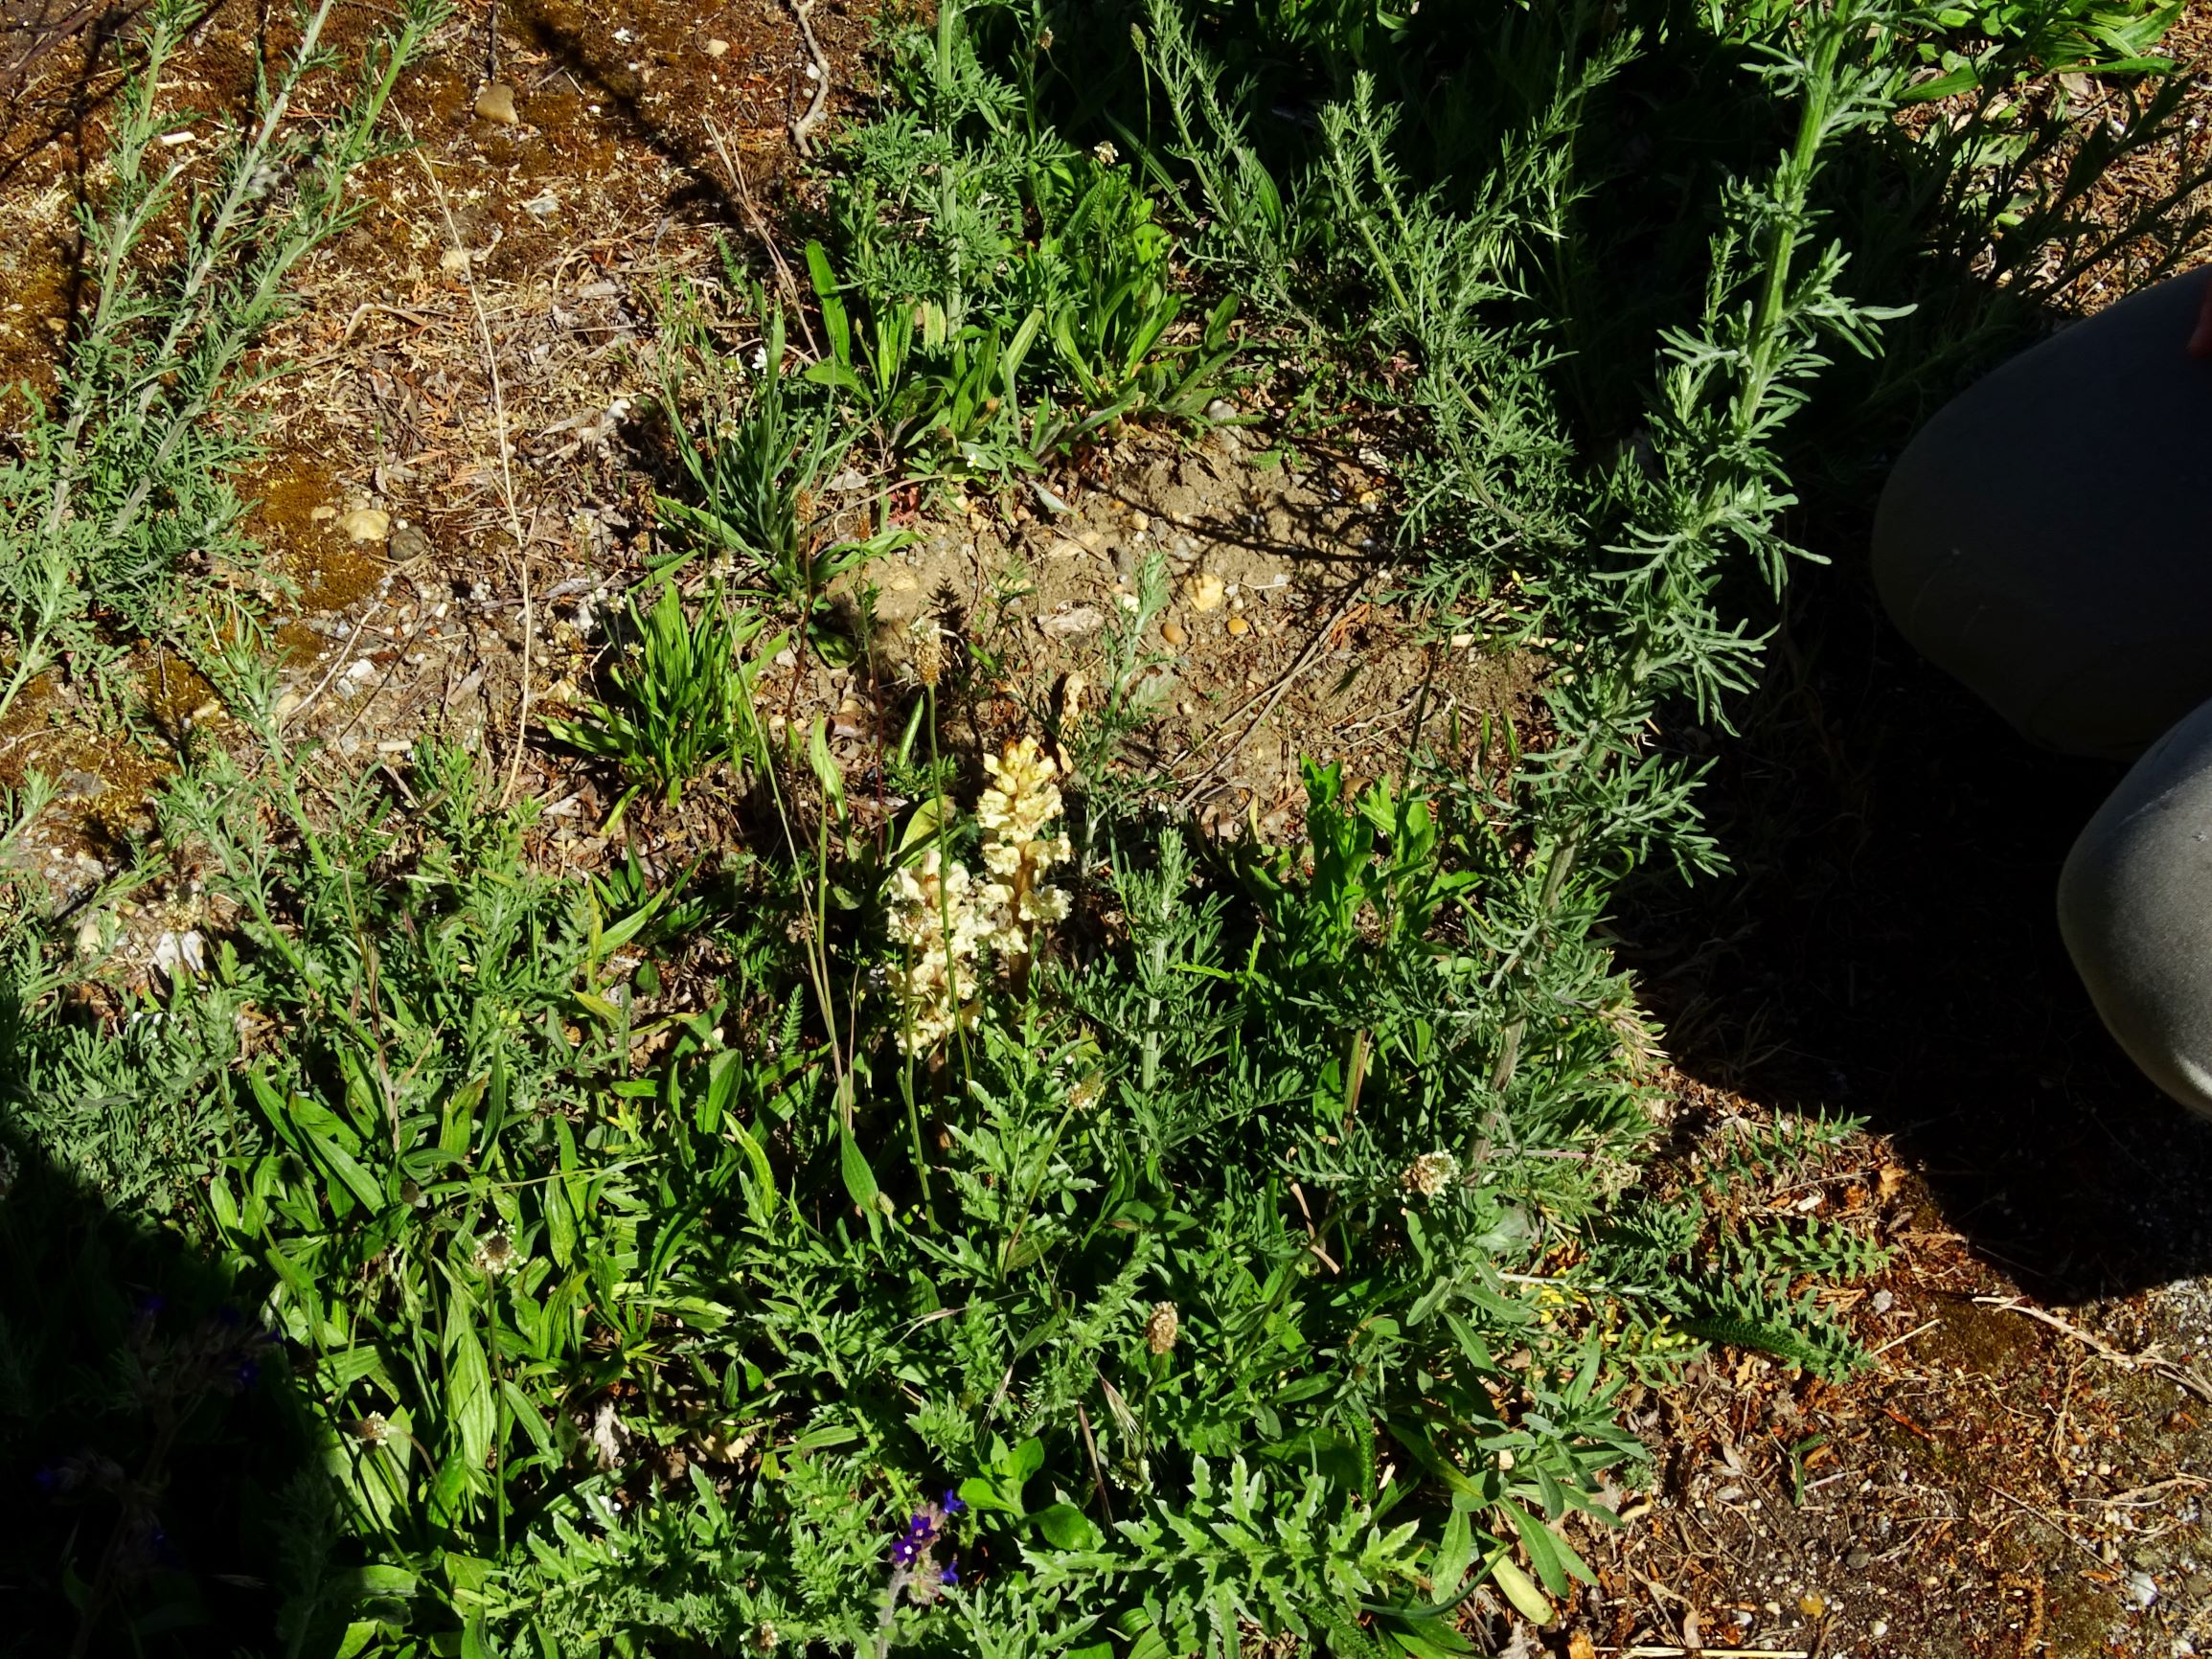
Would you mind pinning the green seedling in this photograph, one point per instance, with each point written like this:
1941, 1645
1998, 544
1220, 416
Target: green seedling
680, 697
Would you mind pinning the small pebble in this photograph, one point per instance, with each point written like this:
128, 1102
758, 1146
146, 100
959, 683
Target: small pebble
326, 511
1174, 634
1140, 521
366, 524
717, 48
496, 103
1204, 591
1239, 626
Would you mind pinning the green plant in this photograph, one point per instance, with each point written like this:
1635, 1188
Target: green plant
1201, 1240
995, 294
1982, 43
119, 497
681, 699
759, 477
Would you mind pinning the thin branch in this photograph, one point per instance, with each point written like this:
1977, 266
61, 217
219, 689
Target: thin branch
506, 483
1275, 694
803, 128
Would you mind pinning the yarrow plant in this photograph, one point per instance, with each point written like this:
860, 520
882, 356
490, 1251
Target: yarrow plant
945, 919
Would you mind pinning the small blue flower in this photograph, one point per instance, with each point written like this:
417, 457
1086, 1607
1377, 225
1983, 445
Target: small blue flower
953, 1503
902, 1553
46, 1478
247, 1373
951, 1575
921, 1528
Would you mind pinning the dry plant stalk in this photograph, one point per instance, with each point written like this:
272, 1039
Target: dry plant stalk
506, 480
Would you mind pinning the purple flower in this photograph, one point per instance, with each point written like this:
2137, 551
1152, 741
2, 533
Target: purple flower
48, 1479
921, 1528
903, 1552
247, 1373
951, 1575
953, 1503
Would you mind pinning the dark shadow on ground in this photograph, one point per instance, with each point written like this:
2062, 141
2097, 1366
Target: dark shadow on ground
158, 1494
1888, 947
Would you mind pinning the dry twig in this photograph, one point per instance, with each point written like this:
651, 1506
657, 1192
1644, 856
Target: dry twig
743, 190
2150, 1359
506, 482
801, 130
324, 684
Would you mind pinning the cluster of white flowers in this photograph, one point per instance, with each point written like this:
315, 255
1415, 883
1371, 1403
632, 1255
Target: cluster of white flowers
1014, 811
1431, 1174
934, 914
948, 921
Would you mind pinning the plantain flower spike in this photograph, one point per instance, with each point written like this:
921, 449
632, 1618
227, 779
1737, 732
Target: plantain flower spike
1431, 1174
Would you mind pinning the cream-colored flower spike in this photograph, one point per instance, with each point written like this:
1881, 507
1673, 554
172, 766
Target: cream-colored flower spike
933, 914
946, 919
1015, 810
1022, 798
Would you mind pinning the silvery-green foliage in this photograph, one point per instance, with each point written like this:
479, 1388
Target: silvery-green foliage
119, 493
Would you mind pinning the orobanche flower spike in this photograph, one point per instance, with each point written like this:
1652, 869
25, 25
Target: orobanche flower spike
946, 919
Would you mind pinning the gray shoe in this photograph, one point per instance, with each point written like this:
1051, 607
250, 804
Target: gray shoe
2135, 909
